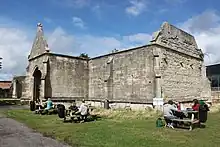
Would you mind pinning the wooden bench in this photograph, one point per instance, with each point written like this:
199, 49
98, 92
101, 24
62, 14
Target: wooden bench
70, 114
191, 121
73, 117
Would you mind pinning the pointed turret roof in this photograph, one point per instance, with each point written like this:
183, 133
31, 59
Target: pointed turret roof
40, 45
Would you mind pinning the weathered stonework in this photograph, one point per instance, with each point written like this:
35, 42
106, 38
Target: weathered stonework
68, 77
123, 77
181, 65
19, 87
170, 67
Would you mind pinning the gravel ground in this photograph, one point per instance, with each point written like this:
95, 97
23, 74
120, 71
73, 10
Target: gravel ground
15, 134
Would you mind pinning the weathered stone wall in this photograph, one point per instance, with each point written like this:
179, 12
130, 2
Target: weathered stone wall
68, 77
35, 63
181, 76
181, 65
19, 87
126, 76
205, 85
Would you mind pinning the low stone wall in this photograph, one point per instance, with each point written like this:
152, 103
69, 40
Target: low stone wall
121, 105
100, 104
118, 105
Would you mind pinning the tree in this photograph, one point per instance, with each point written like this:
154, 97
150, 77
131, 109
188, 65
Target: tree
84, 55
114, 50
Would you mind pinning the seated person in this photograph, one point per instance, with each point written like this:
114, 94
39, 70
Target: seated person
196, 105
169, 109
171, 112
49, 104
83, 110
74, 109
39, 106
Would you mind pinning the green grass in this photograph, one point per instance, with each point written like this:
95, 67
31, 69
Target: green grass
124, 132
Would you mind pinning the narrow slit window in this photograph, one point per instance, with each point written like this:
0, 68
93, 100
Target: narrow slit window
165, 60
181, 63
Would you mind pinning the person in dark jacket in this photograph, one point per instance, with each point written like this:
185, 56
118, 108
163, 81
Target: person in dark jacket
73, 107
203, 112
203, 105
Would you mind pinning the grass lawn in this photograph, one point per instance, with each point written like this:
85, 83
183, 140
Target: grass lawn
121, 132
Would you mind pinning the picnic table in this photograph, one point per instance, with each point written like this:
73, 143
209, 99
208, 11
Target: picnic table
74, 116
190, 118
71, 115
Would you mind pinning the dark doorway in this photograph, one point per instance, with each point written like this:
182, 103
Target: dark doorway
37, 83
18, 88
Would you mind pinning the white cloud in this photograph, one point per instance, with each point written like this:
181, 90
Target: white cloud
137, 7
175, 1
16, 43
97, 10
78, 22
142, 38
206, 29
14, 48
62, 42
79, 3
97, 45
72, 3
47, 20
163, 10
204, 22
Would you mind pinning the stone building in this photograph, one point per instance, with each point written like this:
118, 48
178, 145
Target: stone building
169, 67
213, 73
18, 87
5, 89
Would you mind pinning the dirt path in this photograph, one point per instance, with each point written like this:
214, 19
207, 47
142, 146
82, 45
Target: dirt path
15, 134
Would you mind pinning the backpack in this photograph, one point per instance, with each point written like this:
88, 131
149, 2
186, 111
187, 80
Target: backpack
159, 123
61, 110
203, 113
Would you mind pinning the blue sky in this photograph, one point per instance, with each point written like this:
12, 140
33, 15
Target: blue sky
103, 17
98, 26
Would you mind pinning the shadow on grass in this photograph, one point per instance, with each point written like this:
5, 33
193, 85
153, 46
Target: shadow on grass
90, 118
93, 118
186, 127
9, 102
